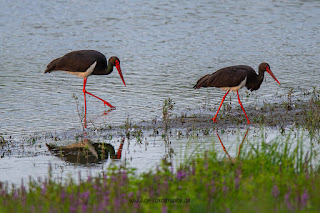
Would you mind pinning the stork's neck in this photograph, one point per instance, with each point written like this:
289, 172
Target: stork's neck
254, 81
261, 76
259, 79
109, 69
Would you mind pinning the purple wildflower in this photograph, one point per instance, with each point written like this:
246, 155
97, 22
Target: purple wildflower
85, 196
193, 168
106, 199
275, 191
164, 209
124, 176
237, 178
23, 189
304, 199
151, 191
165, 186
63, 195
71, 197
89, 179
213, 187
225, 189
117, 203
114, 178
84, 207
307, 176
15, 196
287, 200
33, 209
100, 207
237, 182
130, 194
44, 189
181, 174
72, 209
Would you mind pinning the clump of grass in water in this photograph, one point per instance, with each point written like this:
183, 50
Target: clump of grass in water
312, 115
167, 112
288, 105
2, 140
277, 177
80, 111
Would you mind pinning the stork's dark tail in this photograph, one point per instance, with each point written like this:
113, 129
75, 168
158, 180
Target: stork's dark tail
52, 65
203, 82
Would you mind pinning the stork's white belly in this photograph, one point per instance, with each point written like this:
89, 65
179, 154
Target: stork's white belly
236, 88
86, 73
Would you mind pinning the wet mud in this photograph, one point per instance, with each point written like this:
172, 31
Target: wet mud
301, 114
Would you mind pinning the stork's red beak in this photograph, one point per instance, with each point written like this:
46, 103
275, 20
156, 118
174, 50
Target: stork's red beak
119, 70
271, 73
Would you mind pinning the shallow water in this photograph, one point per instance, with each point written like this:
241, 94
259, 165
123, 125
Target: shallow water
30, 157
163, 47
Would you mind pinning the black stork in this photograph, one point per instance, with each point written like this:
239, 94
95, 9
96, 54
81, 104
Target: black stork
83, 63
234, 78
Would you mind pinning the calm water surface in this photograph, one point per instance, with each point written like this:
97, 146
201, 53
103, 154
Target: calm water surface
33, 160
163, 47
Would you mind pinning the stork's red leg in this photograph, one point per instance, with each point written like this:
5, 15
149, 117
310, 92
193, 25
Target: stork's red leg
242, 107
84, 91
214, 119
85, 102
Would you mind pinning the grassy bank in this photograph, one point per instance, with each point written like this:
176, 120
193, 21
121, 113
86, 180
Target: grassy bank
277, 177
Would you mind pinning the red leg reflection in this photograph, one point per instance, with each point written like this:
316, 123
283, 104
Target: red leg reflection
118, 156
240, 146
224, 149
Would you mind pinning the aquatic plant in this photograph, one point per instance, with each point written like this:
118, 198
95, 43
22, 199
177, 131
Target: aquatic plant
167, 112
80, 112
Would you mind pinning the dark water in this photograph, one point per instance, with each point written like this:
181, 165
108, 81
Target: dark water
163, 47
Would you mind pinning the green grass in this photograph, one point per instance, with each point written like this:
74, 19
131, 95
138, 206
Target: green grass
281, 176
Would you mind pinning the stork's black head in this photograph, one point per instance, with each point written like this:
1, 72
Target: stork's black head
115, 61
265, 67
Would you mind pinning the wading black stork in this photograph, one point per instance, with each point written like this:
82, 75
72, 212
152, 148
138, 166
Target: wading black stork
234, 78
83, 63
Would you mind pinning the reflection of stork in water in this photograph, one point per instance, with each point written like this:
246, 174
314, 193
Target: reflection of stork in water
86, 152
240, 146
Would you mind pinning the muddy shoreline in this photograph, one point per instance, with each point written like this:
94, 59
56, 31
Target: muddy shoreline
305, 114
